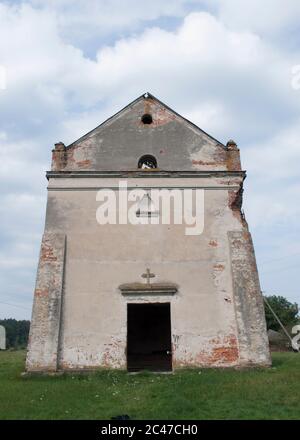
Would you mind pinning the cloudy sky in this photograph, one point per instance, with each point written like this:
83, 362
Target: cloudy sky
230, 66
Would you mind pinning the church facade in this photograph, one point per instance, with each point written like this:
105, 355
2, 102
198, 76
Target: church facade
121, 284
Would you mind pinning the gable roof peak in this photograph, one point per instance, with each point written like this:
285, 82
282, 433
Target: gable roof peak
146, 95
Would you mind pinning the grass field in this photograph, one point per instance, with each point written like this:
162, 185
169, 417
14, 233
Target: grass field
272, 393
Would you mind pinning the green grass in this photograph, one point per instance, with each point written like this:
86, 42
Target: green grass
272, 393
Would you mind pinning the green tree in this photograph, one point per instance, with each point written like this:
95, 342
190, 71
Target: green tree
16, 332
285, 310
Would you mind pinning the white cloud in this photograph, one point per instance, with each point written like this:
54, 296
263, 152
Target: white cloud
267, 17
277, 157
85, 20
206, 60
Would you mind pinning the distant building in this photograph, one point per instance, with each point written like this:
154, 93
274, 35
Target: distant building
2, 338
152, 296
278, 341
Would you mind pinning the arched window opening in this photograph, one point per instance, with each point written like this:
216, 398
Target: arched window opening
147, 162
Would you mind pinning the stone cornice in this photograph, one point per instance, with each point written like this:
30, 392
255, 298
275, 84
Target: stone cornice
144, 174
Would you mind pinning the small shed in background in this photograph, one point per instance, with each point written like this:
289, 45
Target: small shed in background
2, 338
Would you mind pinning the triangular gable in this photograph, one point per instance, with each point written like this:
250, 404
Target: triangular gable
144, 96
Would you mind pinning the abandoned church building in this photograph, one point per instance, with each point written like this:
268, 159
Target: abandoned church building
146, 294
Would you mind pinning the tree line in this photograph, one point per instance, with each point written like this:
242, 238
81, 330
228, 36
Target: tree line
16, 332
287, 312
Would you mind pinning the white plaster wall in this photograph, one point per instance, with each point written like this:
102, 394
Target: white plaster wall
100, 258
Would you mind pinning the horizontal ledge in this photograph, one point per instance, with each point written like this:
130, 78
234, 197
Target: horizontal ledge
150, 292
144, 174
148, 289
146, 188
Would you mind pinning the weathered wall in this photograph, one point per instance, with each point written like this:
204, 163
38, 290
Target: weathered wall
254, 344
79, 313
45, 322
122, 140
100, 258
205, 311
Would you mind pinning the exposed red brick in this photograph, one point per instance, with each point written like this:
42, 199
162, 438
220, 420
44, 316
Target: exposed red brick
224, 355
221, 351
218, 159
41, 292
47, 253
82, 152
225, 350
233, 161
160, 115
235, 200
59, 160
84, 163
201, 162
219, 267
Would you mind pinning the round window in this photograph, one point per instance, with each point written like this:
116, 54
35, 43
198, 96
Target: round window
147, 119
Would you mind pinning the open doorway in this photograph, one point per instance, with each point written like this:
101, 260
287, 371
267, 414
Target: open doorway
149, 337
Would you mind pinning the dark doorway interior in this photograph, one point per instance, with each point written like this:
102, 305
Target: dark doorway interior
149, 337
